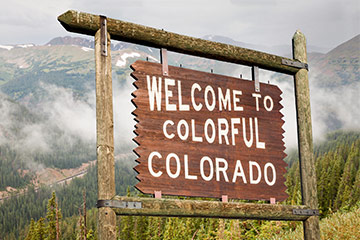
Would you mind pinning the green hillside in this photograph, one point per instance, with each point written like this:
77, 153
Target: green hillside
342, 225
338, 190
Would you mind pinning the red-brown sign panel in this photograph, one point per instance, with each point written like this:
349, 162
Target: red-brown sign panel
207, 135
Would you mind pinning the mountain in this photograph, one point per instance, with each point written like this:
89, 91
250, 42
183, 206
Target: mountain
340, 66
84, 42
66, 62
76, 41
55, 83
281, 50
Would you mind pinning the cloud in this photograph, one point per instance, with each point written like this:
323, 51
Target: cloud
334, 107
76, 117
123, 119
60, 120
331, 108
289, 111
258, 22
34, 139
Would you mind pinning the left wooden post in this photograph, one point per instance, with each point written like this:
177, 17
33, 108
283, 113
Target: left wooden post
104, 132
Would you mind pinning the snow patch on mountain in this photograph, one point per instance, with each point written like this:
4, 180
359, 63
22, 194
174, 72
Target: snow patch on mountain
25, 45
122, 61
6, 47
86, 49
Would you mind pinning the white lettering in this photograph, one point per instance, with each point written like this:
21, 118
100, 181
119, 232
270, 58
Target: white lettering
237, 100
267, 165
258, 143
184, 136
248, 143
268, 108
169, 136
211, 166
223, 132
221, 169
224, 100
182, 107
178, 167
193, 132
168, 94
252, 180
233, 129
197, 107
239, 172
211, 123
208, 106
257, 96
186, 166
154, 90
151, 170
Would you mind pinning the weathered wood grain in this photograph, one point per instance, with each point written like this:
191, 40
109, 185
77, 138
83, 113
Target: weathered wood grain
105, 139
88, 24
210, 209
307, 164
151, 137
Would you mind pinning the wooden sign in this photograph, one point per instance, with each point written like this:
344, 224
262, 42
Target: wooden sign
207, 135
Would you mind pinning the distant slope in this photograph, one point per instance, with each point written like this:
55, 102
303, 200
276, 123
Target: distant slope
281, 50
339, 67
64, 62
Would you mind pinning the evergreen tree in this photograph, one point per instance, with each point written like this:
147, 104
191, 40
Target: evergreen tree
127, 224
343, 197
170, 229
31, 233
355, 194
155, 226
141, 224
53, 216
40, 231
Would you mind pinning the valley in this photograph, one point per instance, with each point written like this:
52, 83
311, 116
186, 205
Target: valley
47, 124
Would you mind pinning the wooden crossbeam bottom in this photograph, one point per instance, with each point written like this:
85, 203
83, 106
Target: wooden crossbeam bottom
208, 209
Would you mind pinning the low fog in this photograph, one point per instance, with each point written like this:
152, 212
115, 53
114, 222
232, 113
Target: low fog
73, 117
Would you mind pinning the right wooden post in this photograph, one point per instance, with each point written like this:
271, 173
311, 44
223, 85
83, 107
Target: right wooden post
305, 140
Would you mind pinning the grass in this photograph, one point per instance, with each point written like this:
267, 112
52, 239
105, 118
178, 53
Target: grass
340, 225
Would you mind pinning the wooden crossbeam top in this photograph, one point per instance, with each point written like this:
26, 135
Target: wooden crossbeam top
88, 24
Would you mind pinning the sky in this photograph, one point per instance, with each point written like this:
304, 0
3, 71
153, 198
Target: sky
325, 23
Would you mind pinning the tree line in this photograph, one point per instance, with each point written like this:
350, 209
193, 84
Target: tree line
338, 180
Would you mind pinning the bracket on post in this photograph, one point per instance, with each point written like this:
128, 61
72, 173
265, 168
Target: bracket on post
118, 204
296, 64
306, 212
255, 77
103, 35
164, 62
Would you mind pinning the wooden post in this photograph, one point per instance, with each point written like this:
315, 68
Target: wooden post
105, 138
307, 163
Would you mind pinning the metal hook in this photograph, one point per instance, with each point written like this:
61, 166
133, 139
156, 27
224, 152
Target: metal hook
103, 35
255, 77
164, 62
